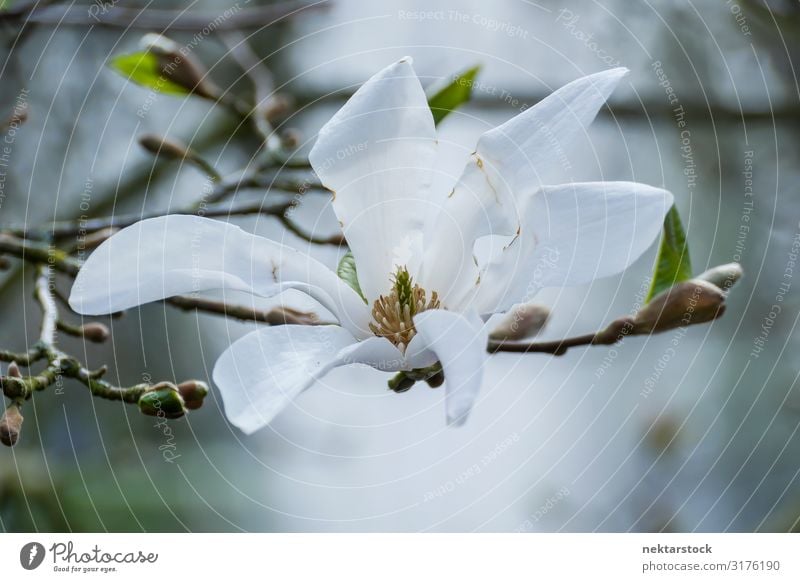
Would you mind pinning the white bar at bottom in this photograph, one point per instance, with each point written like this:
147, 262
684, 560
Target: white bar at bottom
401, 557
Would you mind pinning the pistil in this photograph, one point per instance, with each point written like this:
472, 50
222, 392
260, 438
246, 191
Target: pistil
393, 314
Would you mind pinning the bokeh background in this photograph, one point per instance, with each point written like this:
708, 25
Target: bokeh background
676, 432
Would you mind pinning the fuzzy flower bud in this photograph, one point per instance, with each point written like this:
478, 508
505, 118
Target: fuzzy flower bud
17, 117
276, 108
723, 276
523, 321
95, 332
291, 138
10, 425
163, 399
13, 370
179, 66
193, 393
687, 303
158, 145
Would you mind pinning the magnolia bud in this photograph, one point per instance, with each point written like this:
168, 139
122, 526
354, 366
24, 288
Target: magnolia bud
523, 321
163, 399
10, 425
95, 332
276, 107
179, 66
193, 393
17, 117
13, 370
158, 145
723, 276
291, 138
687, 303
4, 263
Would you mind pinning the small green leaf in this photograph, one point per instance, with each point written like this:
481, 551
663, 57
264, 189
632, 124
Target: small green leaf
673, 264
452, 95
143, 68
347, 273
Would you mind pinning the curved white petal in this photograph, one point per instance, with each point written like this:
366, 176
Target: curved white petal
260, 374
572, 234
508, 165
418, 353
377, 352
517, 154
459, 342
448, 265
178, 254
377, 155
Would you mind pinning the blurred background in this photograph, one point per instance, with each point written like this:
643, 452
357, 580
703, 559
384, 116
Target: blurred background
683, 431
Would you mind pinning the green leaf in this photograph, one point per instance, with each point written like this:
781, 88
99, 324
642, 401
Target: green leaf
672, 264
143, 68
347, 273
454, 94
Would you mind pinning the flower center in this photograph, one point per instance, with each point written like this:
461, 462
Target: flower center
393, 314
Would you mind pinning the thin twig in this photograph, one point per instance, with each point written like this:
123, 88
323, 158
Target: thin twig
67, 228
292, 226
275, 316
615, 332
43, 286
268, 183
260, 76
59, 364
37, 252
33, 355
701, 111
161, 19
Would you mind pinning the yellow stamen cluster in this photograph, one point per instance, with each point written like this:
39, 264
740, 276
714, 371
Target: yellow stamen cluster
393, 314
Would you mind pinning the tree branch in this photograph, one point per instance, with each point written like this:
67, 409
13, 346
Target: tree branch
275, 316
33, 355
615, 332
259, 182
37, 252
66, 228
162, 20
43, 286
292, 226
59, 364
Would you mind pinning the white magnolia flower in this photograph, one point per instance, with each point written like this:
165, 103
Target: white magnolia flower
425, 292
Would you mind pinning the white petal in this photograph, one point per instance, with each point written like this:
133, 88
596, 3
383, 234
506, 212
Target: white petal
517, 153
377, 352
505, 169
377, 155
260, 374
178, 254
418, 354
468, 213
572, 234
459, 342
